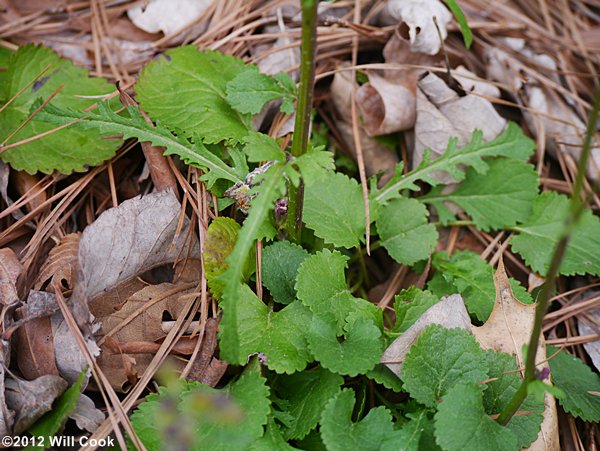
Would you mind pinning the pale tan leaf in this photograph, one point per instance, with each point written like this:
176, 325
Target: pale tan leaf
10, 268
508, 328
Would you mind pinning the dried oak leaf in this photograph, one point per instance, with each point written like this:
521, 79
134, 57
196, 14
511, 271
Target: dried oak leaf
508, 328
61, 264
138, 320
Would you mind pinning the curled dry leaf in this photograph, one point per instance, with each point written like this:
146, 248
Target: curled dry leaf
34, 338
507, 330
416, 19
7, 416
86, 415
61, 264
450, 312
31, 399
168, 16
443, 114
377, 157
548, 113
138, 322
10, 268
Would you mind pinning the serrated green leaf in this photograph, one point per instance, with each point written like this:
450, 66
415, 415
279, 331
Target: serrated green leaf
186, 90
410, 304
333, 208
462, 424
580, 384
384, 376
66, 150
107, 122
195, 416
340, 433
272, 440
354, 351
307, 394
539, 235
250, 90
321, 286
268, 191
405, 232
499, 392
5, 55
52, 423
260, 147
279, 336
497, 199
440, 359
314, 163
471, 276
280, 264
511, 143
414, 435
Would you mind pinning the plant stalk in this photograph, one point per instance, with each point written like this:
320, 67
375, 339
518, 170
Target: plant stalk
576, 208
293, 224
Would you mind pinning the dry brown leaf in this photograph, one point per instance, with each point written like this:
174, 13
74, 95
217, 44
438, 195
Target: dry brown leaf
450, 312
589, 324
168, 16
378, 158
7, 416
138, 320
86, 415
507, 330
10, 268
443, 114
416, 19
35, 346
61, 264
31, 399
126, 241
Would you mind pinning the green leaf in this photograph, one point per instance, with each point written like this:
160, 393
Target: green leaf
52, 423
321, 286
250, 90
268, 191
221, 237
462, 22
340, 433
414, 435
384, 376
356, 350
440, 359
333, 208
410, 304
500, 391
66, 150
497, 199
107, 122
471, 276
580, 384
511, 143
195, 416
314, 163
462, 424
279, 336
5, 55
280, 264
539, 235
306, 394
272, 440
186, 90
260, 147
405, 232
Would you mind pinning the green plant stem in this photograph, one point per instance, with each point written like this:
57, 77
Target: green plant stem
576, 208
293, 224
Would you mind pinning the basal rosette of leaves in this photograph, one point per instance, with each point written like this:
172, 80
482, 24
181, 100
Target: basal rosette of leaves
318, 339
